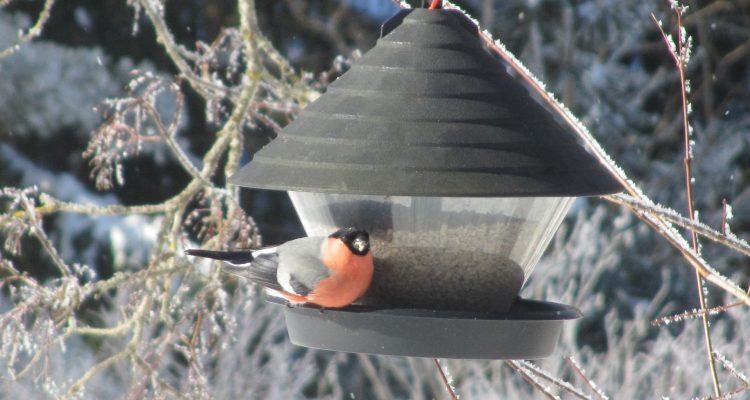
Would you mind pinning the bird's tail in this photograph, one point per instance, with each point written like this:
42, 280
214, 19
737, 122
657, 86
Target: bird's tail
259, 268
237, 258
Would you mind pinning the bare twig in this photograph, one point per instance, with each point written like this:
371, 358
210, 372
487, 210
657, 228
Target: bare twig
38, 356
120, 355
694, 314
732, 369
695, 260
168, 134
248, 29
577, 368
529, 377
38, 232
162, 384
562, 384
326, 30
724, 218
33, 32
446, 381
672, 216
729, 366
681, 55
164, 36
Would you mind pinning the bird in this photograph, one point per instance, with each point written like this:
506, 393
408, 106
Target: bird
330, 272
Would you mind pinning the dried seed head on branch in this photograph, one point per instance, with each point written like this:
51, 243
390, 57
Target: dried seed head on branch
166, 306
129, 122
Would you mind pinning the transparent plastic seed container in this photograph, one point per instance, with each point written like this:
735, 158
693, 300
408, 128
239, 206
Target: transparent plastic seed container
448, 253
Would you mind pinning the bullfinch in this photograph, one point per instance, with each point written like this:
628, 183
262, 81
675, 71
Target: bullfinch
331, 272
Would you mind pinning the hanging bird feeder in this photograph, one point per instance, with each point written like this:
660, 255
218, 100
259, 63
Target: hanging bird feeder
459, 175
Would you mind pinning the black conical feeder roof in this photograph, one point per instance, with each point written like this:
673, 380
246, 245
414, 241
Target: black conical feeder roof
427, 112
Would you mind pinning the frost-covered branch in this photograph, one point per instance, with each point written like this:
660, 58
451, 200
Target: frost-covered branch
154, 10
729, 366
532, 379
681, 55
136, 331
445, 379
582, 374
546, 375
695, 313
24, 218
33, 32
724, 238
166, 287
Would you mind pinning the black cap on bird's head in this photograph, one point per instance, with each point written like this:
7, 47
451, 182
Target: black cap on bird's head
357, 240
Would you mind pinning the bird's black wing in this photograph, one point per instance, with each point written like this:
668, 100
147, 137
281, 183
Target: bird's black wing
259, 266
263, 270
299, 287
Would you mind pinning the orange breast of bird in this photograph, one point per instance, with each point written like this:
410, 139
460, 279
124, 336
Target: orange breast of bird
351, 275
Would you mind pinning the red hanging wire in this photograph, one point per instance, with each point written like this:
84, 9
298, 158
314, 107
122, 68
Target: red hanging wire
436, 4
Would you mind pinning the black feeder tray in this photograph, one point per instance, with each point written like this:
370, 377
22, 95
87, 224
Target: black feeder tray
529, 330
454, 168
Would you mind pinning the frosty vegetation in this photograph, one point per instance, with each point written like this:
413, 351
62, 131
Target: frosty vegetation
98, 300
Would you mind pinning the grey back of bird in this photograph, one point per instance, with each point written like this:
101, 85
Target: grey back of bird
300, 264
